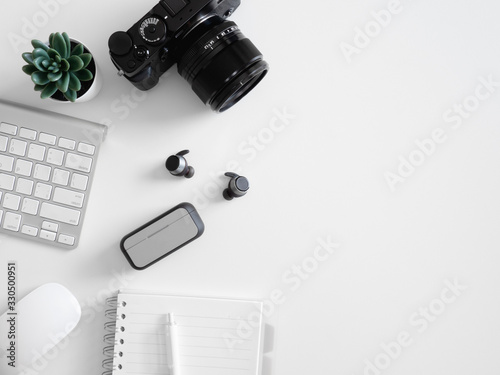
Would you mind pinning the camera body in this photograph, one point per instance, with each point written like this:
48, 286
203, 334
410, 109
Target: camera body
193, 34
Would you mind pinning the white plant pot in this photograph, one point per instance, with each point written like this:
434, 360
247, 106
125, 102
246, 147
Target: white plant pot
94, 89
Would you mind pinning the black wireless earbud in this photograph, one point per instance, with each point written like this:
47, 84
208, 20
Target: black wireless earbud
238, 186
177, 165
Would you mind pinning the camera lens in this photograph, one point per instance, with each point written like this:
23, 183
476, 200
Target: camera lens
222, 66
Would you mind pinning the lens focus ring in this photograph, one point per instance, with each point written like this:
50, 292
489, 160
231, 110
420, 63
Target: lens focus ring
208, 44
222, 66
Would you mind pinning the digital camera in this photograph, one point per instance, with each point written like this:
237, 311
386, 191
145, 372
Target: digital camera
211, 53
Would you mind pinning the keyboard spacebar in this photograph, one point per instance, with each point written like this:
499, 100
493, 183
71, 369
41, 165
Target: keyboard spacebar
58, 213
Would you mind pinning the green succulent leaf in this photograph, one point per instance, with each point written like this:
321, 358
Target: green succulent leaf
39, 87
84, 75
54, 77
58, 59
53, 53
38, 62
63, 83
78, 50
38, 52
48, 91
51, 39
59, 44
29, 69
75, 63
70, 95
64, 65
86, 58
74, 82
47, 64
28, 57
38, 44
68, 44
39, 78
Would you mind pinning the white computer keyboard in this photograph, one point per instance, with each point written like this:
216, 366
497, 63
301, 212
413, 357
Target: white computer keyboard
47, 163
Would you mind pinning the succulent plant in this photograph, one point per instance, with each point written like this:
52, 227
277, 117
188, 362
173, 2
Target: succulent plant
57, 67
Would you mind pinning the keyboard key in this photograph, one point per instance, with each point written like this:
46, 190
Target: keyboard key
52, 227
48, 139
27, 134
66, 240
43, 191
1, 214
46, 235
42, 172
58, 213
55, 156
3, 143
36, 152
30, 206
8, 128
68, 197
68, 144
12, 221
79, 181
6, 181
29, 231
85, 148
78, 162
11, 201
24, 186
60, 177
6, 163
18, 147
23, 167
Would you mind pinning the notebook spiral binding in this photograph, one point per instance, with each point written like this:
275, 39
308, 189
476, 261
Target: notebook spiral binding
109, 338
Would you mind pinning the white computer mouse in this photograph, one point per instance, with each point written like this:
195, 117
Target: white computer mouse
42, 319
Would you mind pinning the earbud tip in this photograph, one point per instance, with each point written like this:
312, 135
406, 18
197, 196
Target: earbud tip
190, 172
226, 195
172, 163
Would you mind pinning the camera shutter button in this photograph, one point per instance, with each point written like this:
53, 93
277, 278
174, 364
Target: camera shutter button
120, 43
141, 53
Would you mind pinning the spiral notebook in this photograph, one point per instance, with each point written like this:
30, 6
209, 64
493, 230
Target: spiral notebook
215, 336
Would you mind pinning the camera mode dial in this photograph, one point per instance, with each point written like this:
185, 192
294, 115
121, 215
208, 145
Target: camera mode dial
153, 30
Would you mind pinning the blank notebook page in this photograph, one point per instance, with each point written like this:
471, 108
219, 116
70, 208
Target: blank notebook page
215, 336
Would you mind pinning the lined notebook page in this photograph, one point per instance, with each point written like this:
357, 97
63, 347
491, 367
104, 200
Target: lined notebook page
215, 336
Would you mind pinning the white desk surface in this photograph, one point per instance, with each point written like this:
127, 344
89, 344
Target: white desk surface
320, 174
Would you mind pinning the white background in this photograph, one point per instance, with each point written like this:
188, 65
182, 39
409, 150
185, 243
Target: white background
322, 176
